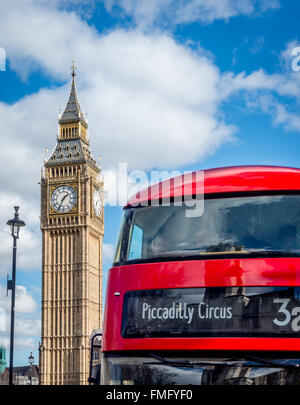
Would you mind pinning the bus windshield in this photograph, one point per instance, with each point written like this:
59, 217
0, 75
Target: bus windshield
240, 225
184, 369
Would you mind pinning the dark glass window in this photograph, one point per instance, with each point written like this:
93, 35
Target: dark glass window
196, 368
243, 225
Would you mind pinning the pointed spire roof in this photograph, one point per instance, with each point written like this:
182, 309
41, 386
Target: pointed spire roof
72, 111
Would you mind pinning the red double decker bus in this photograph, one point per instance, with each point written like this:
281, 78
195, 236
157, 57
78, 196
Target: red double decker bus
212, 298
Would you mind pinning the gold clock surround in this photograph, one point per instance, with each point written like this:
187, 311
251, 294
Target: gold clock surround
53, 187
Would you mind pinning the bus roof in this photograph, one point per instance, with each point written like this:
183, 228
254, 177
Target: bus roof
233, 179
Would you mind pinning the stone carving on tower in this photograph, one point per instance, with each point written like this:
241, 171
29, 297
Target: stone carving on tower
72, 225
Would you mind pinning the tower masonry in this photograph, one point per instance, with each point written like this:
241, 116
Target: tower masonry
72, 225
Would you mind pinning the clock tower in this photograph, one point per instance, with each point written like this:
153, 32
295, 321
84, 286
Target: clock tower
72, 226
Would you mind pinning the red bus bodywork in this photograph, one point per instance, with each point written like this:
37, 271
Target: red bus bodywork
238, 181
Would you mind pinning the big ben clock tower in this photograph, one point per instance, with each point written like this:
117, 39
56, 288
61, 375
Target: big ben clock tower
72, 225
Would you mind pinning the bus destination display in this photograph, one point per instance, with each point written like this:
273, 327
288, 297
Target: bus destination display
212, 311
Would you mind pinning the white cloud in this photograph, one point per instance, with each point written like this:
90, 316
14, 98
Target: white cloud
28, 327
20, 343
27, 319
146, 94
257, 45
279, 112
24, 302
108, 252
45, 39
268, 93
158, 12
152, 102
259, 80
29, 243
284, 82
24, 342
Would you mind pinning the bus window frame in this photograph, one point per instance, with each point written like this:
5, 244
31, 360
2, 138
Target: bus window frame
212, 256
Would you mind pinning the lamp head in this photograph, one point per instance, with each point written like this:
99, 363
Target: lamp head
15, 223
31, 359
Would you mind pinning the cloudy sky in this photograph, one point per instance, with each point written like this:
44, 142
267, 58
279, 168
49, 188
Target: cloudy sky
167, 85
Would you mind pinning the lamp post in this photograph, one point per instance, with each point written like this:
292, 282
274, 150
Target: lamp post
15, 225
31, 361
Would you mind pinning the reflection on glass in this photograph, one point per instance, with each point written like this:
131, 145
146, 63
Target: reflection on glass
136, 243
133, 370
228, 225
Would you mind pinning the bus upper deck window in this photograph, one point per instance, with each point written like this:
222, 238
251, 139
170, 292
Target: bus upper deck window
136, 243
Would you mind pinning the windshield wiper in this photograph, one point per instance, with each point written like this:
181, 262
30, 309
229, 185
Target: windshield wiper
270, 363
258, 362
273, 251
187, 363
225, 247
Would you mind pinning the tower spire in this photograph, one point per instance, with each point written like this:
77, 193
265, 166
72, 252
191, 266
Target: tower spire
73, 70
72, 112
72, 137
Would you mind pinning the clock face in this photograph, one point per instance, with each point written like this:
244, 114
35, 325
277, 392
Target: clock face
63, 198
97, 202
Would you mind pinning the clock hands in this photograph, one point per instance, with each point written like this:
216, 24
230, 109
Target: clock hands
62, 200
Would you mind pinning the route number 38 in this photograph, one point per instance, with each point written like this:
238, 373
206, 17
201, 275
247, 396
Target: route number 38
287, 315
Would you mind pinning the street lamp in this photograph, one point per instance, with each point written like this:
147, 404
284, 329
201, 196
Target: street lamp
15, 225
31, 361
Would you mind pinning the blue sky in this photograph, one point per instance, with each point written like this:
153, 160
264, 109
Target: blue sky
167, 85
